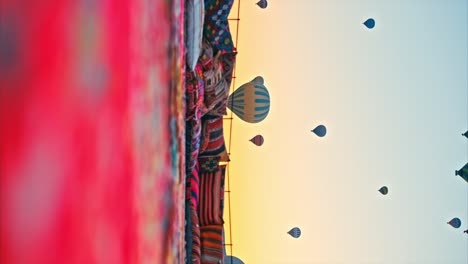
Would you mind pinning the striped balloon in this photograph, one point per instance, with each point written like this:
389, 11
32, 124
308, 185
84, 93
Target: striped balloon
257, 140
232, 260
295, 232
251, 101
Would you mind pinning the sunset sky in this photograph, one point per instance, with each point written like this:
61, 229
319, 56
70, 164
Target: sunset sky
394, 100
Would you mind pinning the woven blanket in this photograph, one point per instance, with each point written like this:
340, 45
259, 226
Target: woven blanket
211, 244
211, 197
216, 27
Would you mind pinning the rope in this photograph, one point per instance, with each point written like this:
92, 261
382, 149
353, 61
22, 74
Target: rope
230, 119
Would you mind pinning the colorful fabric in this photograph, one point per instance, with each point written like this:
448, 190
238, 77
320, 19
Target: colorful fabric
188, 147
216, 90
221, 195
90, 125
194, 186
206, 57
211, 197
208, 164
195, 95
194, 106
220, 108
195, 144
188, 234
192, 169
204, 138
228, 61
195, 231
217, 78
216, 28
220, 97
213, 137
211, 244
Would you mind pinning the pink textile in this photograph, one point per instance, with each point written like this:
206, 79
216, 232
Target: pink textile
91, 124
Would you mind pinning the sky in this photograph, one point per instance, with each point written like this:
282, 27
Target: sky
394, 100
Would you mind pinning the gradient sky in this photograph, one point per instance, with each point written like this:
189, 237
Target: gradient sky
394, 100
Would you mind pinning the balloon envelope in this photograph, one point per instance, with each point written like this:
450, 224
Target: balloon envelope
295, 232
383, 190
455, 222
232, 260
257, 140
463, 172
262, 4
251, 101
369, 23
320, 131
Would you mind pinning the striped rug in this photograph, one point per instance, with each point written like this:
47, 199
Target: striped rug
211, 244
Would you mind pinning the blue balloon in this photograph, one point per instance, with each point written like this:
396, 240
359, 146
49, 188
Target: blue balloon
455, 222
295, 232
370, 23
262, 4
232, 260
383, 190
320, 131
463, 172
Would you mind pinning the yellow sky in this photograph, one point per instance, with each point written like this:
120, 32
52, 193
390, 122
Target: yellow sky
379, 93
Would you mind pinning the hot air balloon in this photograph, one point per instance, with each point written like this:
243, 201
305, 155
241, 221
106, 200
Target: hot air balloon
232, 260
262, 4
383, 190
295, 232
466, 231
455, 222
465, 134
251, 101
257, 140
369, 23
320, 131
463, 172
